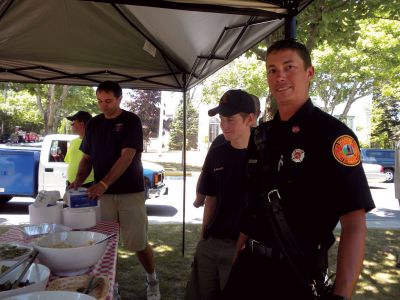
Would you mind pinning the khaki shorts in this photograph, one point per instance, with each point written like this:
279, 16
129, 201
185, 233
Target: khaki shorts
130, 211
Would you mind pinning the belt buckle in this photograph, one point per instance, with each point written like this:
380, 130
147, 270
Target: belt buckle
252, 242
273, 192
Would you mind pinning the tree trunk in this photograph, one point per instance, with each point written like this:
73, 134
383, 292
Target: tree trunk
50, 110
351, 99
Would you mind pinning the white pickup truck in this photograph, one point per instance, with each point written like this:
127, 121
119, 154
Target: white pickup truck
28, 168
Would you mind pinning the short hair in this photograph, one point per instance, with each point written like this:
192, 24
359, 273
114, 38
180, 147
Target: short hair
110, 86
292, 44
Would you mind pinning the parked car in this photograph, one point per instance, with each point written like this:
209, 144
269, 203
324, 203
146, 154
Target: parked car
374, 173
383, 157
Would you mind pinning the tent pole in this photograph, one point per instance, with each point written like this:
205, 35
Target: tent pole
290, 19
290, 27
184, 166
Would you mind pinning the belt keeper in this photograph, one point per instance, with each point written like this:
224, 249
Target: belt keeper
103, 184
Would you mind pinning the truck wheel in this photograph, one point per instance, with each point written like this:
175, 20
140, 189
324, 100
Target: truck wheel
389, 175
5, 199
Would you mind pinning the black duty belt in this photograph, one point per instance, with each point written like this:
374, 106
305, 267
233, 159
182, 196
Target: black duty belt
259, 249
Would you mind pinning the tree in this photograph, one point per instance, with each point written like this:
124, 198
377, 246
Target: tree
245, 73
42, 108
346, 74
146, 104
342, 26
385, 122
55, 102
192, 123
18, 109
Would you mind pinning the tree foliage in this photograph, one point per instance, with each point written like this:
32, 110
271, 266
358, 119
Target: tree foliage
192, 124
146, 104
16, 110
43, 108
246, 73
353, 45
385, 122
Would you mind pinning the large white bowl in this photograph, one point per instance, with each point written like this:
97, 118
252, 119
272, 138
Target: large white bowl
70, 261
37, 273
52, 295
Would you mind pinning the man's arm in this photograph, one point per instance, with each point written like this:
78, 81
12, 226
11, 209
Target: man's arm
119, 167
200, 198
351, 252
85, 166
208, 213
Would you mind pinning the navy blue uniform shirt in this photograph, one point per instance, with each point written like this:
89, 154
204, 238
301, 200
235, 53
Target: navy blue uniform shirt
313, 159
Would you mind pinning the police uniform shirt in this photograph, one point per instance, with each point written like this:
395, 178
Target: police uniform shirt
314, 161
224, 177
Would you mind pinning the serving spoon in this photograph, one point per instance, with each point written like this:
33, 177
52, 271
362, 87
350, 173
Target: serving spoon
106, 238
31, 260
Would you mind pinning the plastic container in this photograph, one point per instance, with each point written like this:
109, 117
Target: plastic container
79, 218
79, 199
49, 214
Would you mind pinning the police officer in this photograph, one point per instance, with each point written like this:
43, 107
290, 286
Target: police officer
309, 163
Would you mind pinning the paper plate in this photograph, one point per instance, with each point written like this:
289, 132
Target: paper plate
75, 282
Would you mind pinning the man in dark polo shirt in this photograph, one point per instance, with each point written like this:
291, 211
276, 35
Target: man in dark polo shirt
113, 145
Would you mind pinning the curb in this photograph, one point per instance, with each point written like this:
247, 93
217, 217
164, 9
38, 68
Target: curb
177, 173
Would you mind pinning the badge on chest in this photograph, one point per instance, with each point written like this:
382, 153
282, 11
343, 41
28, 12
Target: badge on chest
298, 155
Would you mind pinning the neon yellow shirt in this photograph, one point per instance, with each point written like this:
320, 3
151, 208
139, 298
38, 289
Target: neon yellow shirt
73, 157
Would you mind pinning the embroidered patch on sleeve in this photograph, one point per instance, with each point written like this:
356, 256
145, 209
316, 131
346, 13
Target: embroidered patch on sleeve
346, 151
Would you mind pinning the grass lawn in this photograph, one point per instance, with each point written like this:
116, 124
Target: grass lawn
379, 279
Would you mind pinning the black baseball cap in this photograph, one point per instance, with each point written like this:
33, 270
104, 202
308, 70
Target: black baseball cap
81, 115
233, 102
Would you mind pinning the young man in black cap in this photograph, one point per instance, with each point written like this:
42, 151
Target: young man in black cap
74, 154
219, 140
222, 183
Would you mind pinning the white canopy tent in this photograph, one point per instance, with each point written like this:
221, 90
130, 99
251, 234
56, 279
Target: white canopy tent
142, 44
165, 45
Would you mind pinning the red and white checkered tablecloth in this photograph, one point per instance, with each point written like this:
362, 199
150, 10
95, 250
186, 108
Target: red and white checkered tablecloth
106, 266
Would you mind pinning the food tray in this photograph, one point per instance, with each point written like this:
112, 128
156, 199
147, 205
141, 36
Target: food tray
42, 229
75, 282
14, 251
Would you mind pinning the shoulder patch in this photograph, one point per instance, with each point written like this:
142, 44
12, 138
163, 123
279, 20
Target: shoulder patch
346, 151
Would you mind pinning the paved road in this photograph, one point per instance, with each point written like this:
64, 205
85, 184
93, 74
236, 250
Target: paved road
168, 209
387, 211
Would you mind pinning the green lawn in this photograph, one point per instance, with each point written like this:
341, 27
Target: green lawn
380, 277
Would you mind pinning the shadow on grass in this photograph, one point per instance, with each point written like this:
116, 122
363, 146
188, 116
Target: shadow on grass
161, 210
379, 280
380, 277
173, 269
